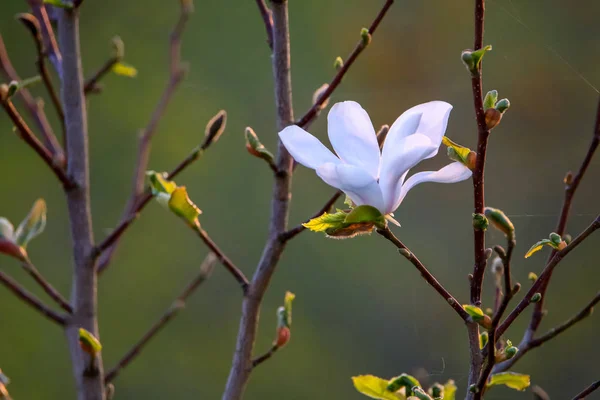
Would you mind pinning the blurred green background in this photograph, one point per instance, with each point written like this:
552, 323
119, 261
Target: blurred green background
360, 308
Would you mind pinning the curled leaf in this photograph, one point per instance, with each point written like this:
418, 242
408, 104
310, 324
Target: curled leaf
33, 224
182, 206
460, 153
510, 379
375, 388
88, 342
123, 69
554, 241
475, 312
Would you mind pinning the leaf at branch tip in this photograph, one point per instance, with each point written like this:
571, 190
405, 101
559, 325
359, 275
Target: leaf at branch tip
118, 47
159, 183
88, 342
450, 390
510, 379
475, 312
375, 388
214, 128
460, 153
500, 221
120, 68
182, 206
256, 148
60, 3
318, 93
33, 224
326, 221
343, 225
554, 241
287, 305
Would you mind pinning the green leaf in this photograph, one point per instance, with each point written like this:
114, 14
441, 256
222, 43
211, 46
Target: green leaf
500, 221
59, 3
375, 388
120, 68
510, 379
182, 206
287, 305
343, 225
159, 184
33, 224
365, 213
538, 246
88, 342
450, 390
475, 312
326, 221
7, 231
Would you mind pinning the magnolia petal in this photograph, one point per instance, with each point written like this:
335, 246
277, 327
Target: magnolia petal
357, 183
305, 148
429, 119
396, 162
352, 136
451, 173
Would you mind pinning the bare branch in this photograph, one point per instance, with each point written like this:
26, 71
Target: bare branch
91, 82
206, 269
265, 13
587, 391
30, 299
259, 360
47, 287
428, 276
49, 40
34, 107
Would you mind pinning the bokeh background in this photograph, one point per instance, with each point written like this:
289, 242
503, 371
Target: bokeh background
360, 308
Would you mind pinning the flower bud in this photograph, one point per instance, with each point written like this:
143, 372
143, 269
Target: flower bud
405, 252
437, 391
516, 288
256, 148
567, 239
500, 221
317, 96
7, 230
3, 92
382, 134
480, 222
490, 99
510, 352
536, 297
532, 277
472, 59
13, 86
365, 37
89, 343
492, 118
338, 63
484, 338
283, 336
473, 388
568, 178
118, 48
502, 105
214, 129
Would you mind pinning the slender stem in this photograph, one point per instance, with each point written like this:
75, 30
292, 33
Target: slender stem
428, 276
90, 382
587, 391
242, 360
92, 81
571, 185
27, 135
30, 299
290, 234
547, 272
106, 247
337, 79
206, 269
47, 287
34, 107
176, 75
49, 40
223, 259
259, 360
267, 18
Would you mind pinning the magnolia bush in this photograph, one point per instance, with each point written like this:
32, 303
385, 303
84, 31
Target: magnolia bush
371, 168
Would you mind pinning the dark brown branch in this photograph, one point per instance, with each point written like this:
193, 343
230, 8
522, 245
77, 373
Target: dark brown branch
27, 135
571, 185
47, 287
337, 79
290, 234
34, 107
265, 13
30, 299
223, 259
428, 276
545, 273
587, 391
206, 269
176, 75
33, 25
50, 45
259, 360
92, 81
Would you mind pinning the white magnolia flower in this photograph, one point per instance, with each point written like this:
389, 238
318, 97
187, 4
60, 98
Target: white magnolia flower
360, 170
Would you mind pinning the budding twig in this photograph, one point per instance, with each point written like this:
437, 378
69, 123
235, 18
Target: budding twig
30, 299
587, 391
206, 269
47, 287
259, 360
265, 13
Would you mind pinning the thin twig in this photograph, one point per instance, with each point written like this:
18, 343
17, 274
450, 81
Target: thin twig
290, 234
547, 270
428, 276
587, 391
176, 75
571, 185
337, 79
30, 299
34, 107
92, 81
33, 25
223, 259
50, 43
267, 18
27, 135
206, 269
259, 360
47, 287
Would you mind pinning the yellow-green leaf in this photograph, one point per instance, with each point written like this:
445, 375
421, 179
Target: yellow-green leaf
326, 221
500, 221
375, 388
460, 151
287, 305
510, 379
159, 184
182, 206
475, 312
88, 342
33, 224
449, 390
120, 68
538, 246
365, 213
